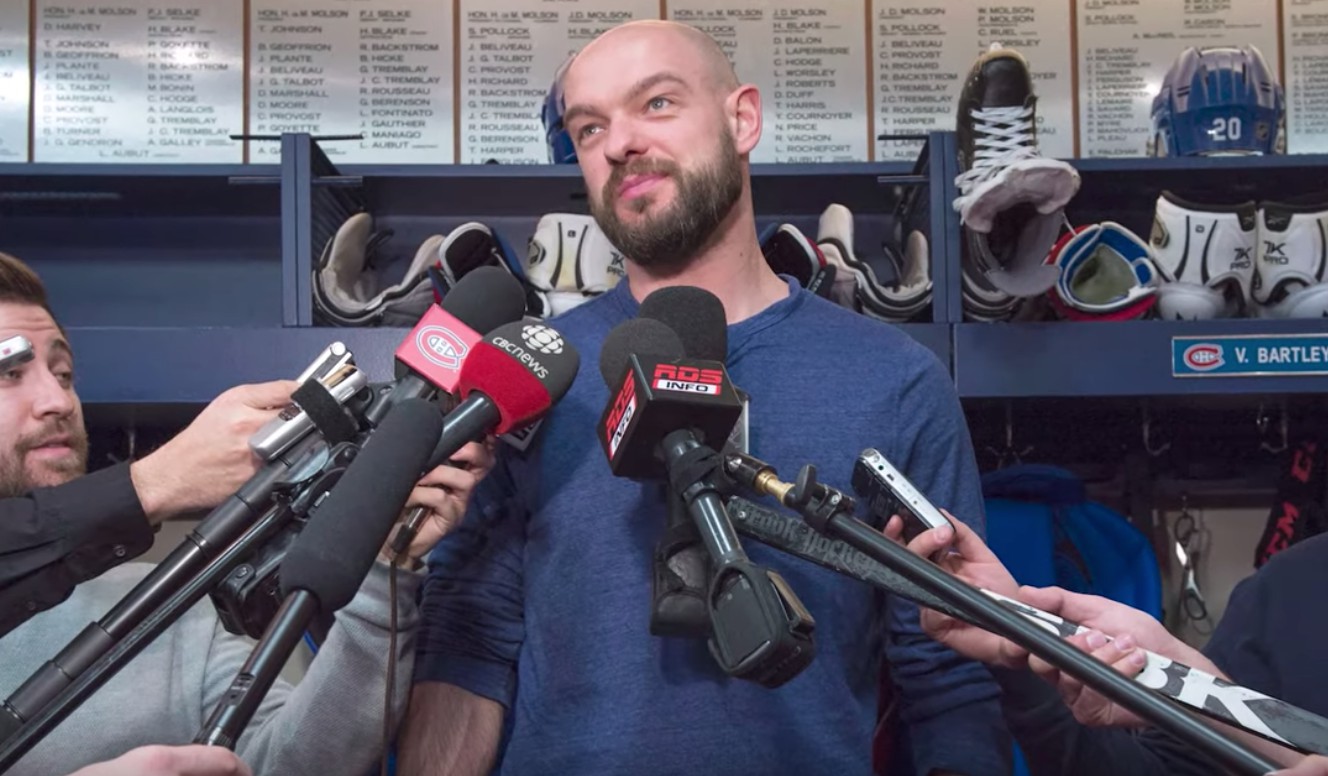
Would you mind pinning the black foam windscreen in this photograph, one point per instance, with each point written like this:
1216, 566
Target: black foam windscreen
696, 315
332, 555
486, 298
642, 336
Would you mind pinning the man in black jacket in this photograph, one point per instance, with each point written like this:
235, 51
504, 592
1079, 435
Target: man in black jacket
54, 536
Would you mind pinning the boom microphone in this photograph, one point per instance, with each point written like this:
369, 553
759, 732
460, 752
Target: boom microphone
665, 411
681, 567
331, 557
431, 355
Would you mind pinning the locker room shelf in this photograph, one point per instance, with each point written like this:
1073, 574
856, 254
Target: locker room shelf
934, 336
28, 190
1126, 190
1121, 358
116, 365
520, 171
178, 281
149, 245
1145, 164
192, 365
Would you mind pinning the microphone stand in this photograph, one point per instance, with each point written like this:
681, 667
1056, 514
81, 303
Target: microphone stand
218, 530
680, 576
320, 470
20, 737
830, 513
759, 629
260, 670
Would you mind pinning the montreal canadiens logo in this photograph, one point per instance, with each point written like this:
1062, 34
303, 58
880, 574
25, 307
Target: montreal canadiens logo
1203, 357
441, 346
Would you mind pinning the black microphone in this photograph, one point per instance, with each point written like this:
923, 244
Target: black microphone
681, 567
429, 359
329, 560
657, 390
699, 319
695, 315
664, 413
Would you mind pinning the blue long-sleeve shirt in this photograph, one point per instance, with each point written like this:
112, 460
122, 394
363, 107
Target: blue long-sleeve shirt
541, 599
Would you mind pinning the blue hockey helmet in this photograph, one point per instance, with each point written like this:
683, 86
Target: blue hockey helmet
561, 149
1218, 100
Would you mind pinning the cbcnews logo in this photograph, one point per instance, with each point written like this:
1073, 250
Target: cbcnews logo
1204, 357
688, 379
542, 339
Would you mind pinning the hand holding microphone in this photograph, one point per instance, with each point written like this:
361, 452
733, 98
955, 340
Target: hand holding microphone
210, 459
439, 499
508, 379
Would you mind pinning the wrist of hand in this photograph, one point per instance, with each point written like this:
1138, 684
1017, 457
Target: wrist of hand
153, 487
405, 560
408, 558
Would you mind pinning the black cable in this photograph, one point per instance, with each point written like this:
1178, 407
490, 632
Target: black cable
391, 663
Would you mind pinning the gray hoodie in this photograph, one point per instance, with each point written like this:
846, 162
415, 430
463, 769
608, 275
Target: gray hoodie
330, 724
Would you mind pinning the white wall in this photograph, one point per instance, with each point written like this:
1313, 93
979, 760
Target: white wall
1232, 535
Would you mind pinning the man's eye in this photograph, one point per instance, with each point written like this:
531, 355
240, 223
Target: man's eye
659, 103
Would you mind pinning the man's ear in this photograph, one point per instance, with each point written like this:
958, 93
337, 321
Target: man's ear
742, 110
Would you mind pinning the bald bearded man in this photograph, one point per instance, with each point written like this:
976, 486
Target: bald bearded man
537, 607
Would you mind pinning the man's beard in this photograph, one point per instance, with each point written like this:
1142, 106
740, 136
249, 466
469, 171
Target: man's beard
668, 241
14, 475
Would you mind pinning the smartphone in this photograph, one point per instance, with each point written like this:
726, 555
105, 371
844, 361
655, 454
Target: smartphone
888, 492
14, 351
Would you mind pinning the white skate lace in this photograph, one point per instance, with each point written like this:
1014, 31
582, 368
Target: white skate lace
1002, 136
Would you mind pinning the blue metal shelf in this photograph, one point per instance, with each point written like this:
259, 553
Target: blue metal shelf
193, 365
178, 281
149, 245
1124, 358
127, 366
154, 191
573, 171
1146, 164
72, 170
933, 336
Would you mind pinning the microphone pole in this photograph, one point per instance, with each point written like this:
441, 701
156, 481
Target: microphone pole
330, 559
216, 532
259, 671
830, 513
20, 737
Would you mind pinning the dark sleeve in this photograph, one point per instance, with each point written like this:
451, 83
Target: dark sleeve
949, 703
1054, 743
472, 603
1238, 645
53, 539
